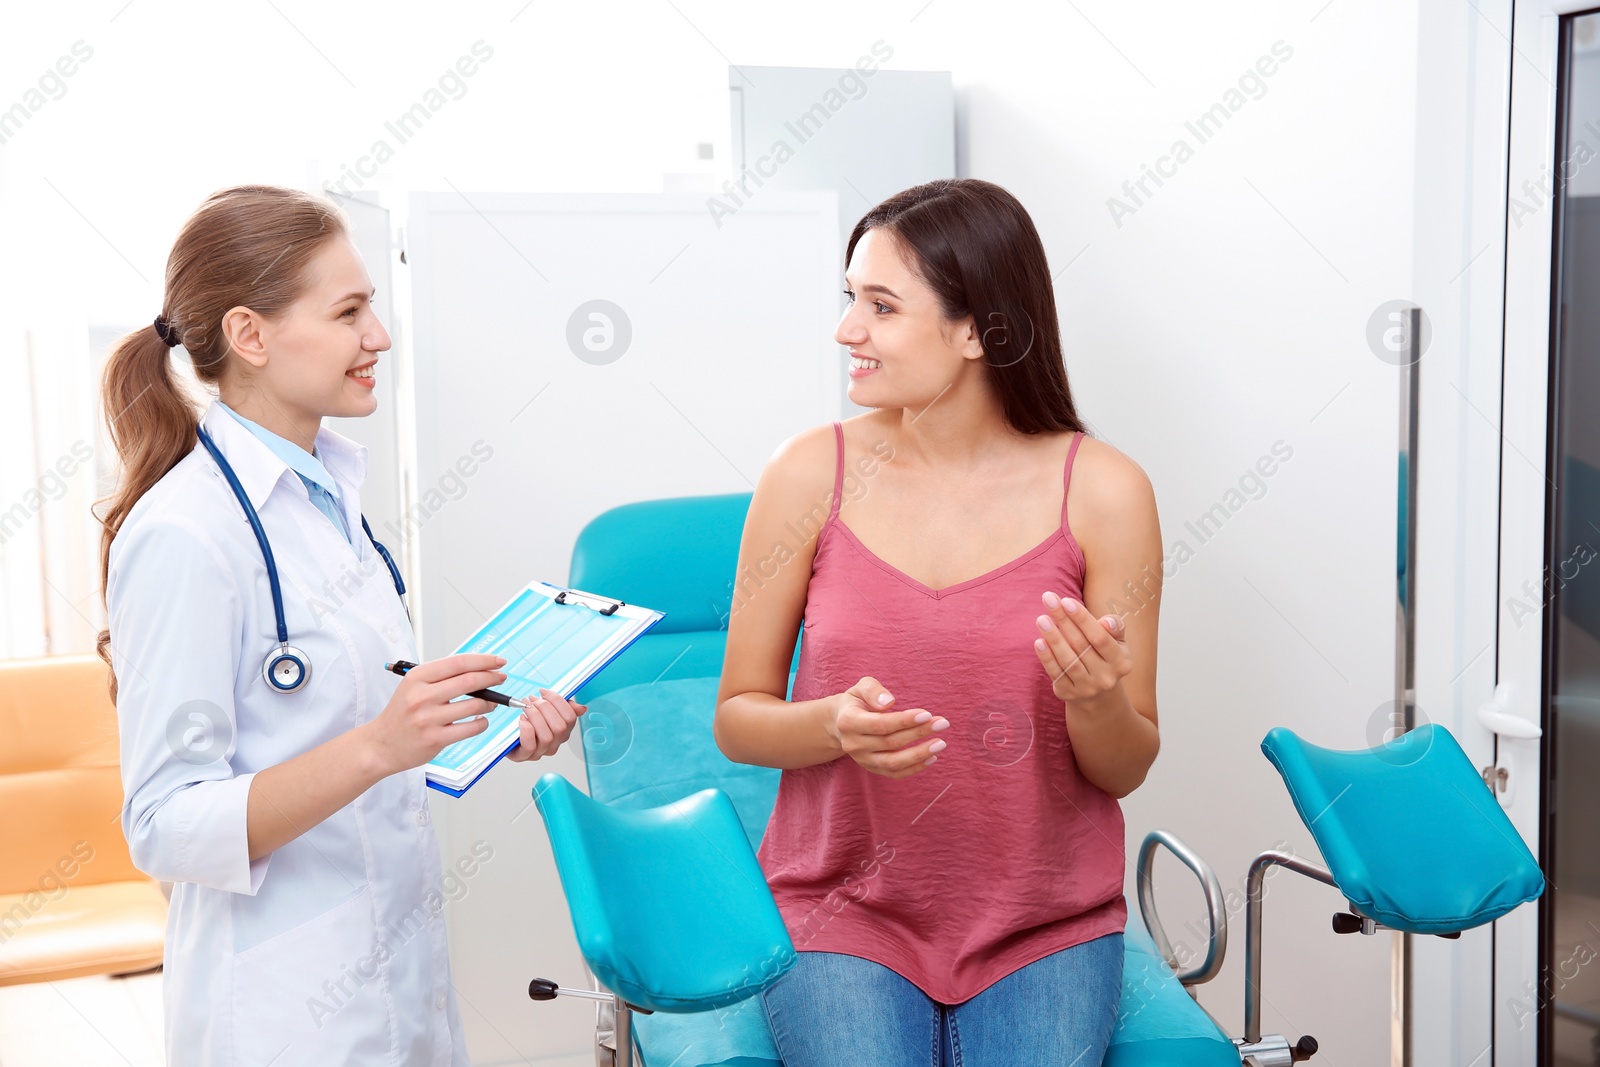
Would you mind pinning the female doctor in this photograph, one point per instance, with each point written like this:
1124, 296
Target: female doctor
271, 767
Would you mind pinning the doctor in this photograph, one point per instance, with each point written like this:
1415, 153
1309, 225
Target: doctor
271, 767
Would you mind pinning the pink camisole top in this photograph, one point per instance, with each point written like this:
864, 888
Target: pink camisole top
998, 854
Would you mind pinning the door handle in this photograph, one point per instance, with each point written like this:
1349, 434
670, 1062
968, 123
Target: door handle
1496, 717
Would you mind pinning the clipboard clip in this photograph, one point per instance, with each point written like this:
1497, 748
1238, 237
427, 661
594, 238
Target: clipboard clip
610, 606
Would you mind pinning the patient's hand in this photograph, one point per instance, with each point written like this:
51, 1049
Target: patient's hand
895, 744
545, 723
1084, 657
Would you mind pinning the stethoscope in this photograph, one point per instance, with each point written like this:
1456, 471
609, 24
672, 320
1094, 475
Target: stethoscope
286, 668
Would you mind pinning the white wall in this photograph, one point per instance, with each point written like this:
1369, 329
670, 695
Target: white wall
1227, 313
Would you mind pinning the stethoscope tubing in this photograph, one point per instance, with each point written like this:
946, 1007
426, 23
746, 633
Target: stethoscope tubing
287, 662
261, 534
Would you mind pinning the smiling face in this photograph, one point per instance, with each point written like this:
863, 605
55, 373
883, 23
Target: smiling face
903, 351
318, 359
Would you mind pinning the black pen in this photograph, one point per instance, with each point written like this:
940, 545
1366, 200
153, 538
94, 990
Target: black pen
400, 667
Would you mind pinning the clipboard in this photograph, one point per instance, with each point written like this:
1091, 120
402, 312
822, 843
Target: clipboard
552, 637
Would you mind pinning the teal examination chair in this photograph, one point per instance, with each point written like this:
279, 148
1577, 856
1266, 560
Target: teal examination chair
672, 912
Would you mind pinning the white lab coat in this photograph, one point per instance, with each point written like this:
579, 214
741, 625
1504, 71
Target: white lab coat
330, 950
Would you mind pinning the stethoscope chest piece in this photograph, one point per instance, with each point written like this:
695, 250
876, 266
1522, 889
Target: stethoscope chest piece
286, 669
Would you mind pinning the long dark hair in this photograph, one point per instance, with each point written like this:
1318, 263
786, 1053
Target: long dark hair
976, 248
248, 246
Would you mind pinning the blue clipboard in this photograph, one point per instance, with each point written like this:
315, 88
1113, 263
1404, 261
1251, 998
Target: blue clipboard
552, 637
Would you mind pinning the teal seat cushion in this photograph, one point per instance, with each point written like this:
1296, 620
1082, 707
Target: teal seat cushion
1158, 1023
733, 1036
659, 657
648, 759
1408, 830
670, 907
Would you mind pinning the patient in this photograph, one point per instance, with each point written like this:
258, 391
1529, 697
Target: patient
978, 582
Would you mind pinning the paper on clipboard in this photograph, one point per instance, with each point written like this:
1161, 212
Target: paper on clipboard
551, 637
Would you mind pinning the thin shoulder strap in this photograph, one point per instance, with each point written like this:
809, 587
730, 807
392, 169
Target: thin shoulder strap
1066, 478
838, 472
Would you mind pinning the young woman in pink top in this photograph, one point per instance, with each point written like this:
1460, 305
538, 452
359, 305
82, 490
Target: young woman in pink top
947, 847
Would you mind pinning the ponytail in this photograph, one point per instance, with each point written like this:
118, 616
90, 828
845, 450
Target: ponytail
152, 427
215, 266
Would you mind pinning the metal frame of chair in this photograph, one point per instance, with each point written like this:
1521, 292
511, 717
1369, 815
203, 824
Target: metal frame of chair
1271, 1050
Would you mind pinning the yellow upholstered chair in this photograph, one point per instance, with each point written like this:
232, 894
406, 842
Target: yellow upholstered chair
71, 901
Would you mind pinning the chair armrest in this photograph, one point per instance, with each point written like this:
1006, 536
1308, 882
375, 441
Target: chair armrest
1216, 911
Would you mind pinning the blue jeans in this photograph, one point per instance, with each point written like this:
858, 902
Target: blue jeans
834, 1010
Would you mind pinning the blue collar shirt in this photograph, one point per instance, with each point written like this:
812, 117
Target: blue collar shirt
324, 491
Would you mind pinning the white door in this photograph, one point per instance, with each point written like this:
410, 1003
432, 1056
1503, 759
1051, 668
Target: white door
384, 496
1546, 973
575, 352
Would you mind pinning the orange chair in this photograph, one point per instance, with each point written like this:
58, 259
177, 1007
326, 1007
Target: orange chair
71, 901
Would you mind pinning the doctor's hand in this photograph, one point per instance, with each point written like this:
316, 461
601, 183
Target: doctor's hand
419, 719
1083, 656
546, 722
895, 744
